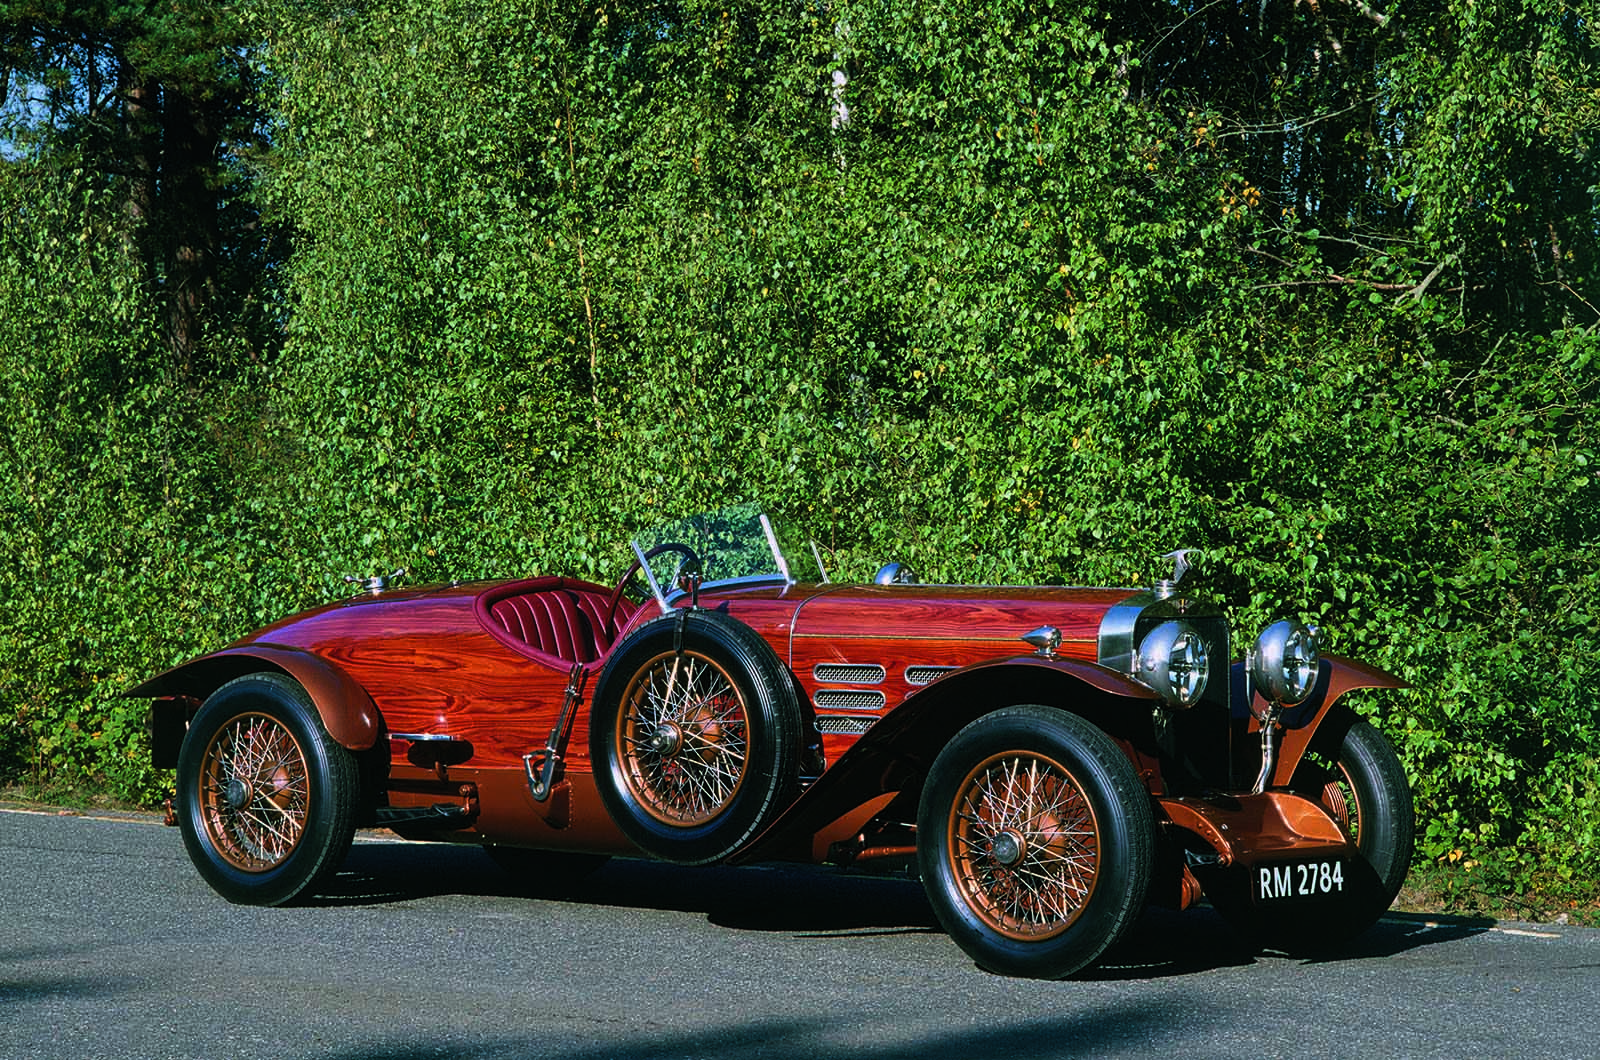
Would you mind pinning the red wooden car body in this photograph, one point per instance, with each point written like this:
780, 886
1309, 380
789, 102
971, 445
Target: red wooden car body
1044, 790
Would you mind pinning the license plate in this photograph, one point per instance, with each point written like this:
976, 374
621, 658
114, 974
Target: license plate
1297, 880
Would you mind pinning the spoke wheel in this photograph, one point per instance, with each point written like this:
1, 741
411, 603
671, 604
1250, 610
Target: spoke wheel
1362, 785
1352, 772
266, 798
695, 736
683, 735
1026, 846
1339, 798
1035, 841
255, 794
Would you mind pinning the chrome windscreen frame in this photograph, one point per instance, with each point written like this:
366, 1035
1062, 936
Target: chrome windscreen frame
777, 553
744, 581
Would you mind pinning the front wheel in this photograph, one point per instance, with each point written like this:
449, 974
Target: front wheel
1357, 778
266, 798
1035, 842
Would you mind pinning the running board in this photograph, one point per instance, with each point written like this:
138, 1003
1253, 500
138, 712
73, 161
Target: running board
439, 815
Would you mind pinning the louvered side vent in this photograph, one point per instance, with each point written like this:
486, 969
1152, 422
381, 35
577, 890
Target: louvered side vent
844, 726
848, 673
926, 675
848, 699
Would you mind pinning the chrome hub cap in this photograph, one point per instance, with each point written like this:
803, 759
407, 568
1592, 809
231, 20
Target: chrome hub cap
1007, 848
236, 793
667, 740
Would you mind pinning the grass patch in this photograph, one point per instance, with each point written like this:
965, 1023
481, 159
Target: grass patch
78, 794
1471, 890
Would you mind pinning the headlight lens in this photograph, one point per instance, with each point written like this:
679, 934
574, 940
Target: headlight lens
1284, 667
1173, 661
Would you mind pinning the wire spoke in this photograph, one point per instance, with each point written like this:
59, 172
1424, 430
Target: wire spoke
255, 792
685, 738
1025, 835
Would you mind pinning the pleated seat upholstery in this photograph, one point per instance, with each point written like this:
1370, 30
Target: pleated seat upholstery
561, 619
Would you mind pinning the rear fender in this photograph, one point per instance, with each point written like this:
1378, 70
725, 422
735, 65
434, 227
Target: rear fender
346, 710
895, 754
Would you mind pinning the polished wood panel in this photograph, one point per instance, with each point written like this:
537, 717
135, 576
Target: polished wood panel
936, 613
900, 626
432, 668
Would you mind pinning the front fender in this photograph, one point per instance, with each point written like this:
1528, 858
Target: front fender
347, 712
896, 752
1304, 721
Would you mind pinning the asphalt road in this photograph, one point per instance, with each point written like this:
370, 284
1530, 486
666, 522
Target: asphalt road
111, 946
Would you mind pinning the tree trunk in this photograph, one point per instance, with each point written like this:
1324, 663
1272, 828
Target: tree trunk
189, 214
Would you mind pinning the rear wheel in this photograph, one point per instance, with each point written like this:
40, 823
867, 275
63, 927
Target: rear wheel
266, 798
1035, 842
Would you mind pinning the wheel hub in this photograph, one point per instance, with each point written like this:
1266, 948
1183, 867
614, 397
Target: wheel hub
667, 740
1007, 848
236, 793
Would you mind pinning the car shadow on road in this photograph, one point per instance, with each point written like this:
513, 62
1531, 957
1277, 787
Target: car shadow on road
789, 898
1166, 942
823, 902
1122, 1027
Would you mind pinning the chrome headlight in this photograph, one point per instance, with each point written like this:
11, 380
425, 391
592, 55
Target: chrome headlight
1285, 663
1172, 660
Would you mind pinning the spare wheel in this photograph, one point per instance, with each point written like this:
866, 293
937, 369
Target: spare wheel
695, 736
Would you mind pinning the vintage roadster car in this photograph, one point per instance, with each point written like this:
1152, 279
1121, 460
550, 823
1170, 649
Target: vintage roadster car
1046, 759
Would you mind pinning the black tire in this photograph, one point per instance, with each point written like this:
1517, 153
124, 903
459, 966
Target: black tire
1036, 842
694, 736
266, 798
1358, 779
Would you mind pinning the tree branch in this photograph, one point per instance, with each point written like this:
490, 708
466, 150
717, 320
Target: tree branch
1565, 287
1297, 123
1376, 16
1333, 279
1416, 293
